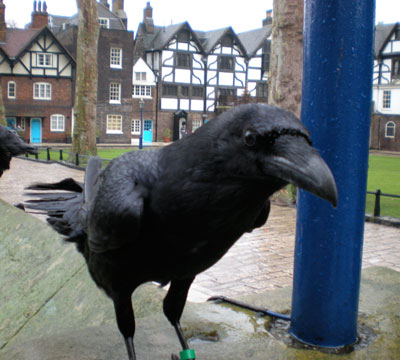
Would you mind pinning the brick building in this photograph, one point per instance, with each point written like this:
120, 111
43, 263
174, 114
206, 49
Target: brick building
115, 49
36, 79
385, 120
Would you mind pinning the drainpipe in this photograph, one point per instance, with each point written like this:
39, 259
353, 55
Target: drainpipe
336, 104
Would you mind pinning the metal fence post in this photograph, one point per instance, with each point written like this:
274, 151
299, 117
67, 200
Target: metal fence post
336, 102
77, 159
61, 155
48, 154
377, 206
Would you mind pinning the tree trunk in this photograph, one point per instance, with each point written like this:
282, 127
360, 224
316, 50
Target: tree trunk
84, 137
286, 66
3, 120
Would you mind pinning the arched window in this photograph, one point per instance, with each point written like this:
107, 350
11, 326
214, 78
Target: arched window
390, 129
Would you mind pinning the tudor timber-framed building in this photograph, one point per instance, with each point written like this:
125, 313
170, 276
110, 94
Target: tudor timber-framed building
36, 79
199, 72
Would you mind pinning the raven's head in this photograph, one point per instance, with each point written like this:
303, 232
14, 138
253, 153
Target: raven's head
271, 144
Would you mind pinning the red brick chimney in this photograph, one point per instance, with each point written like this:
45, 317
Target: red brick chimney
40, 17
117, 5
3, 27
148, 18
268, 19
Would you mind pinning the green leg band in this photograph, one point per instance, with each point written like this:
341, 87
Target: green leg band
187, 354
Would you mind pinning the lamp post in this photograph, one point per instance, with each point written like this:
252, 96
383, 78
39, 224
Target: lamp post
141, 103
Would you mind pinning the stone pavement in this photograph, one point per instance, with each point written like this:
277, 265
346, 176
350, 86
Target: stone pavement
260, 261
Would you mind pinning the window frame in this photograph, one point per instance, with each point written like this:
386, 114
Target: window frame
221, 63
387, 99
104, 23
115, 96
116, 130
114, 64
165, 92
37, 96
393, 125
57, 128
395, 68
135, 126
44, 63
12, 82
141, 91
186, 64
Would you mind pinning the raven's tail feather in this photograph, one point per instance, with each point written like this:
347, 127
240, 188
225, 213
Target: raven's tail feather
62, 208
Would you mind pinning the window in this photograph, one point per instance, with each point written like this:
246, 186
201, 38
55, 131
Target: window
115, 93
42, 91
183, 59
197, 91
141, 91
140, 76
387, 97
227, 92
390, 129
12, 90
170, 90
104, 23
262, 90
135, 127
44, 60
196, 124
21, 123
57, 123
114, 124
116, 58
396, 69
225, 62
185, 91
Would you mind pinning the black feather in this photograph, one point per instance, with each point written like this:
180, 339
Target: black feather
166, 215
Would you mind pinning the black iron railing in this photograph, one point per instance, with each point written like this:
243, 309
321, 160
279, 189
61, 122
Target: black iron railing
377, 204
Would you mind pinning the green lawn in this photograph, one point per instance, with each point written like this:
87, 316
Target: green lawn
384, 174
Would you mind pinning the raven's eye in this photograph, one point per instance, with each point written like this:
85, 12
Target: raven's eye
249, 138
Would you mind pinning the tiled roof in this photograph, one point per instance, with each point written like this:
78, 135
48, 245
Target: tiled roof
254, 39
382, 32
17, 40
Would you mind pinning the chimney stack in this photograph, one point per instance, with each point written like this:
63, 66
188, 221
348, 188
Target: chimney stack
268, 19
39, 18
118, 9
148, 18
105, 3
3, 27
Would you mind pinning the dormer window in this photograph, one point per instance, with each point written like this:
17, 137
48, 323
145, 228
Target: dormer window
104, 23
44, 60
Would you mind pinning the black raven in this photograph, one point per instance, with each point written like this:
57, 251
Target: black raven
11, 145
166, 215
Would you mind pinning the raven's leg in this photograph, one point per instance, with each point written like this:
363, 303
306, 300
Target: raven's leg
126, 321
174, 303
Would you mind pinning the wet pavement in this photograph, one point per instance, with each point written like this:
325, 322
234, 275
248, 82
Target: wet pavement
260, 261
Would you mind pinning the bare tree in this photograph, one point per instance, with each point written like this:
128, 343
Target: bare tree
84, 137
286, 64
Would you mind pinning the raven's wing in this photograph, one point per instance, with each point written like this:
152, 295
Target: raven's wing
116, 212
11, 145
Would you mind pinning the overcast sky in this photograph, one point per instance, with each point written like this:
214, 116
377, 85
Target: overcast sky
205, 15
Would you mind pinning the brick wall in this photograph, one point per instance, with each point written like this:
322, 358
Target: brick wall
24, 106
378, 140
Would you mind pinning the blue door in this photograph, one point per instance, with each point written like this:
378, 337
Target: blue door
148, 131
11, 124
36, 131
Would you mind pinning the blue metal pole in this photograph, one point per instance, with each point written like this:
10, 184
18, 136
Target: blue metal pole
337, 85
141, 103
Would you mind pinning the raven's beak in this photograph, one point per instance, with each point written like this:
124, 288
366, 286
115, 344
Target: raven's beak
298, 163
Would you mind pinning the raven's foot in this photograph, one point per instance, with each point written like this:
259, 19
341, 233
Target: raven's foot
256, 309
